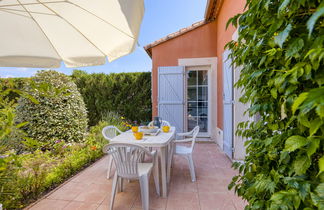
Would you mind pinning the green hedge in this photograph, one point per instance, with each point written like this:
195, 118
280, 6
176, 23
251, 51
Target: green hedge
281, 52
128, 94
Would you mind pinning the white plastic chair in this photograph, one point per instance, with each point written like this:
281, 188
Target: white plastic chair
128, 161
109, 132
186, 151
164, 123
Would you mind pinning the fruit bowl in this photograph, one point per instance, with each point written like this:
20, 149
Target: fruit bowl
148, 129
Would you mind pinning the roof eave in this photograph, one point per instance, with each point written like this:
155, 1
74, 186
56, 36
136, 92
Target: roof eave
209, 16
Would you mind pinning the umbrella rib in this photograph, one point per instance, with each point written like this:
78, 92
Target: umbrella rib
17, 10
101, 19
11, 5
11, 12
72, 27
40, 28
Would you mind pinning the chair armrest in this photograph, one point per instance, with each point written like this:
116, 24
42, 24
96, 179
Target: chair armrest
119, 131
182, 141
185, 134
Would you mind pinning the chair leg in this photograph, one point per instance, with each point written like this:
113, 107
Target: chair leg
144, 183
110, 162
192, 168
113, 191
120, 184
156, 175
170, 162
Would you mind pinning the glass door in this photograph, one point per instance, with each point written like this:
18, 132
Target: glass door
197, 100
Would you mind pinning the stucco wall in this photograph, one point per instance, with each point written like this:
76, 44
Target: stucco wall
206, 41
228, 9
197, 43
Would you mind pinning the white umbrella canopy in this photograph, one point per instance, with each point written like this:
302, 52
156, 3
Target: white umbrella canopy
43, 33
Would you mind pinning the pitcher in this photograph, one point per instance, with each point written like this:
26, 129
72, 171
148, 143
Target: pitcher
157, 121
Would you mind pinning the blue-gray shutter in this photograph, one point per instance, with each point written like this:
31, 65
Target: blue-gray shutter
228, 104
171, 95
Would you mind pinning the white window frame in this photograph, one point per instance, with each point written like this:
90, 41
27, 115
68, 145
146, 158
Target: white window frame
209, 64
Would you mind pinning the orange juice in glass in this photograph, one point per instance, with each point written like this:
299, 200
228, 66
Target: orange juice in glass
138, 135
135, 129
165, 129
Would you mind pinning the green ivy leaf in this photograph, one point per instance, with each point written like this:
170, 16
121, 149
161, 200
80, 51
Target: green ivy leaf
315, 125
283, 5
318, 197
313, 146
304, 120
320, 110
312, 20
298, 101
321, 164
282, 36
294, 47
274, 93
301, 164
295, 142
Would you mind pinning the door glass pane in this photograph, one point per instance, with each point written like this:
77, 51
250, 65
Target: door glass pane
203, 103
192, 109
202, 111
203, 124
192, 93
203, 94
192, 77
202, 77
192, 122
197, 100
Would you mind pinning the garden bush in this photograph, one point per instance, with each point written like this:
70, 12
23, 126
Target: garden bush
281, 52
27, 176
128, 94
60, 113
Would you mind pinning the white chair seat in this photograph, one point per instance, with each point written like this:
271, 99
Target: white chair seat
182, 150
144, 168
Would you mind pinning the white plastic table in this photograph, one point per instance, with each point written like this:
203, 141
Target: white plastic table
160, 141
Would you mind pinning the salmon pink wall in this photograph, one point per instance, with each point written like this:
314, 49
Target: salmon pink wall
228, 9
197, 43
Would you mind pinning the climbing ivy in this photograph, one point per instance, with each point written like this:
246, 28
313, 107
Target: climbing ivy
281, 51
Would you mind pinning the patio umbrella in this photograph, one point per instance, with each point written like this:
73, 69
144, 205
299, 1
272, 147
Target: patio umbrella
43, 33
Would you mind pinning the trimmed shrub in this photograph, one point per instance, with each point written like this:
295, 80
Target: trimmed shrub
281, 52
128, 94
60, 113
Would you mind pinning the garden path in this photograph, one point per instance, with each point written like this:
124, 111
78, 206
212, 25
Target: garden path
91, 190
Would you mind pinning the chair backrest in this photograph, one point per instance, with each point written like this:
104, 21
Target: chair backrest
109, 132
126, 157
194, 133
164, 123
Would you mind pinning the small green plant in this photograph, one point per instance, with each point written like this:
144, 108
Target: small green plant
60, 113
281, 52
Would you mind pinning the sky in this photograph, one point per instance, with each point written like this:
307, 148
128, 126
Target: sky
161, 18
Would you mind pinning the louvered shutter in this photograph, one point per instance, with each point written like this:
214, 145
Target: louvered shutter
171, 95
228, 104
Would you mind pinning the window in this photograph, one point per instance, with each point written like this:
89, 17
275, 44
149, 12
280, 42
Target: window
197, 99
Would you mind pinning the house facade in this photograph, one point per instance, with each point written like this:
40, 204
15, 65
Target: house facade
192, 78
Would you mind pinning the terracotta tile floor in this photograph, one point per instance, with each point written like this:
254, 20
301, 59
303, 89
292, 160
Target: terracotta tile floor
91, 190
